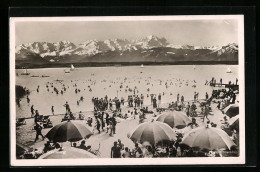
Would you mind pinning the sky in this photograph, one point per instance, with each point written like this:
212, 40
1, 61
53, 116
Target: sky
191, 32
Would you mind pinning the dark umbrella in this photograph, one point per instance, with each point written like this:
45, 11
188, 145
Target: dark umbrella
231, 110
234, 123
69, 131
20, 149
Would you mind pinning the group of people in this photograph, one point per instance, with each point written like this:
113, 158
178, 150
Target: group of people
103, 122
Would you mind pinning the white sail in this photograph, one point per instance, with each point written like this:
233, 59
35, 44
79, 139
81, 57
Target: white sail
142, 65
194, 67
72, 67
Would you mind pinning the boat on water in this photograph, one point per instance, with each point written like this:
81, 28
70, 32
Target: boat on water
72, 68
194, 67
142, 66
229, 70
35, 76
45, 76
25, 72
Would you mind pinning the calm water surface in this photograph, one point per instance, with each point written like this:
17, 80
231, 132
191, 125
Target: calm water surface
103, 81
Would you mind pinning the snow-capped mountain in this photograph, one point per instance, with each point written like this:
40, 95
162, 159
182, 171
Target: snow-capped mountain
150, 48
150, 42
230, 48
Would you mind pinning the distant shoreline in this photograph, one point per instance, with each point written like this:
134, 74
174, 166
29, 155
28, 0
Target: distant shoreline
118, 64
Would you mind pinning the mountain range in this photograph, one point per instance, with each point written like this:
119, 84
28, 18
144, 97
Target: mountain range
147, 49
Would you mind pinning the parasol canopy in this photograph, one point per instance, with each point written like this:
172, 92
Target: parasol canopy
208, 138
175, 119
69, 131
234, 123
67, 153
152, 132
231, 110
20, 149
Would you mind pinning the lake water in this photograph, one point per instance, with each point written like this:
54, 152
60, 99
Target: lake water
103, 81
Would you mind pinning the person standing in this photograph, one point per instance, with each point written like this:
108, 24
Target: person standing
154, 103
188, 109
115, 151
38, 129
52, 110
182, 98
28, 99
178, 97
32, 111
142, 100
206, 113
36, 116
159, 98
206, 96
67, 107
114, 122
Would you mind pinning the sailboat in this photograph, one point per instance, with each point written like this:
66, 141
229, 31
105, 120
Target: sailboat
72, 67
229, 70
141, 66
194, 67
25, 72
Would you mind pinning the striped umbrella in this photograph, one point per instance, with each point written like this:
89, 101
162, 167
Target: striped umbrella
152, 132
69, 131
208, 138
175, 119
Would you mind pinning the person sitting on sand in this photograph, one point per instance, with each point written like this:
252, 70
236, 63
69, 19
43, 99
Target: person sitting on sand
81, 116
126, 153
72, 116
48, 147
138, 153
193, 124
83, 146
89, 121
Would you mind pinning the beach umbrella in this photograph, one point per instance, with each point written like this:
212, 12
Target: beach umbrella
210, 138
234, 123
152, 132
20, 149
67, 153
231, 110
175, 119
69, 131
